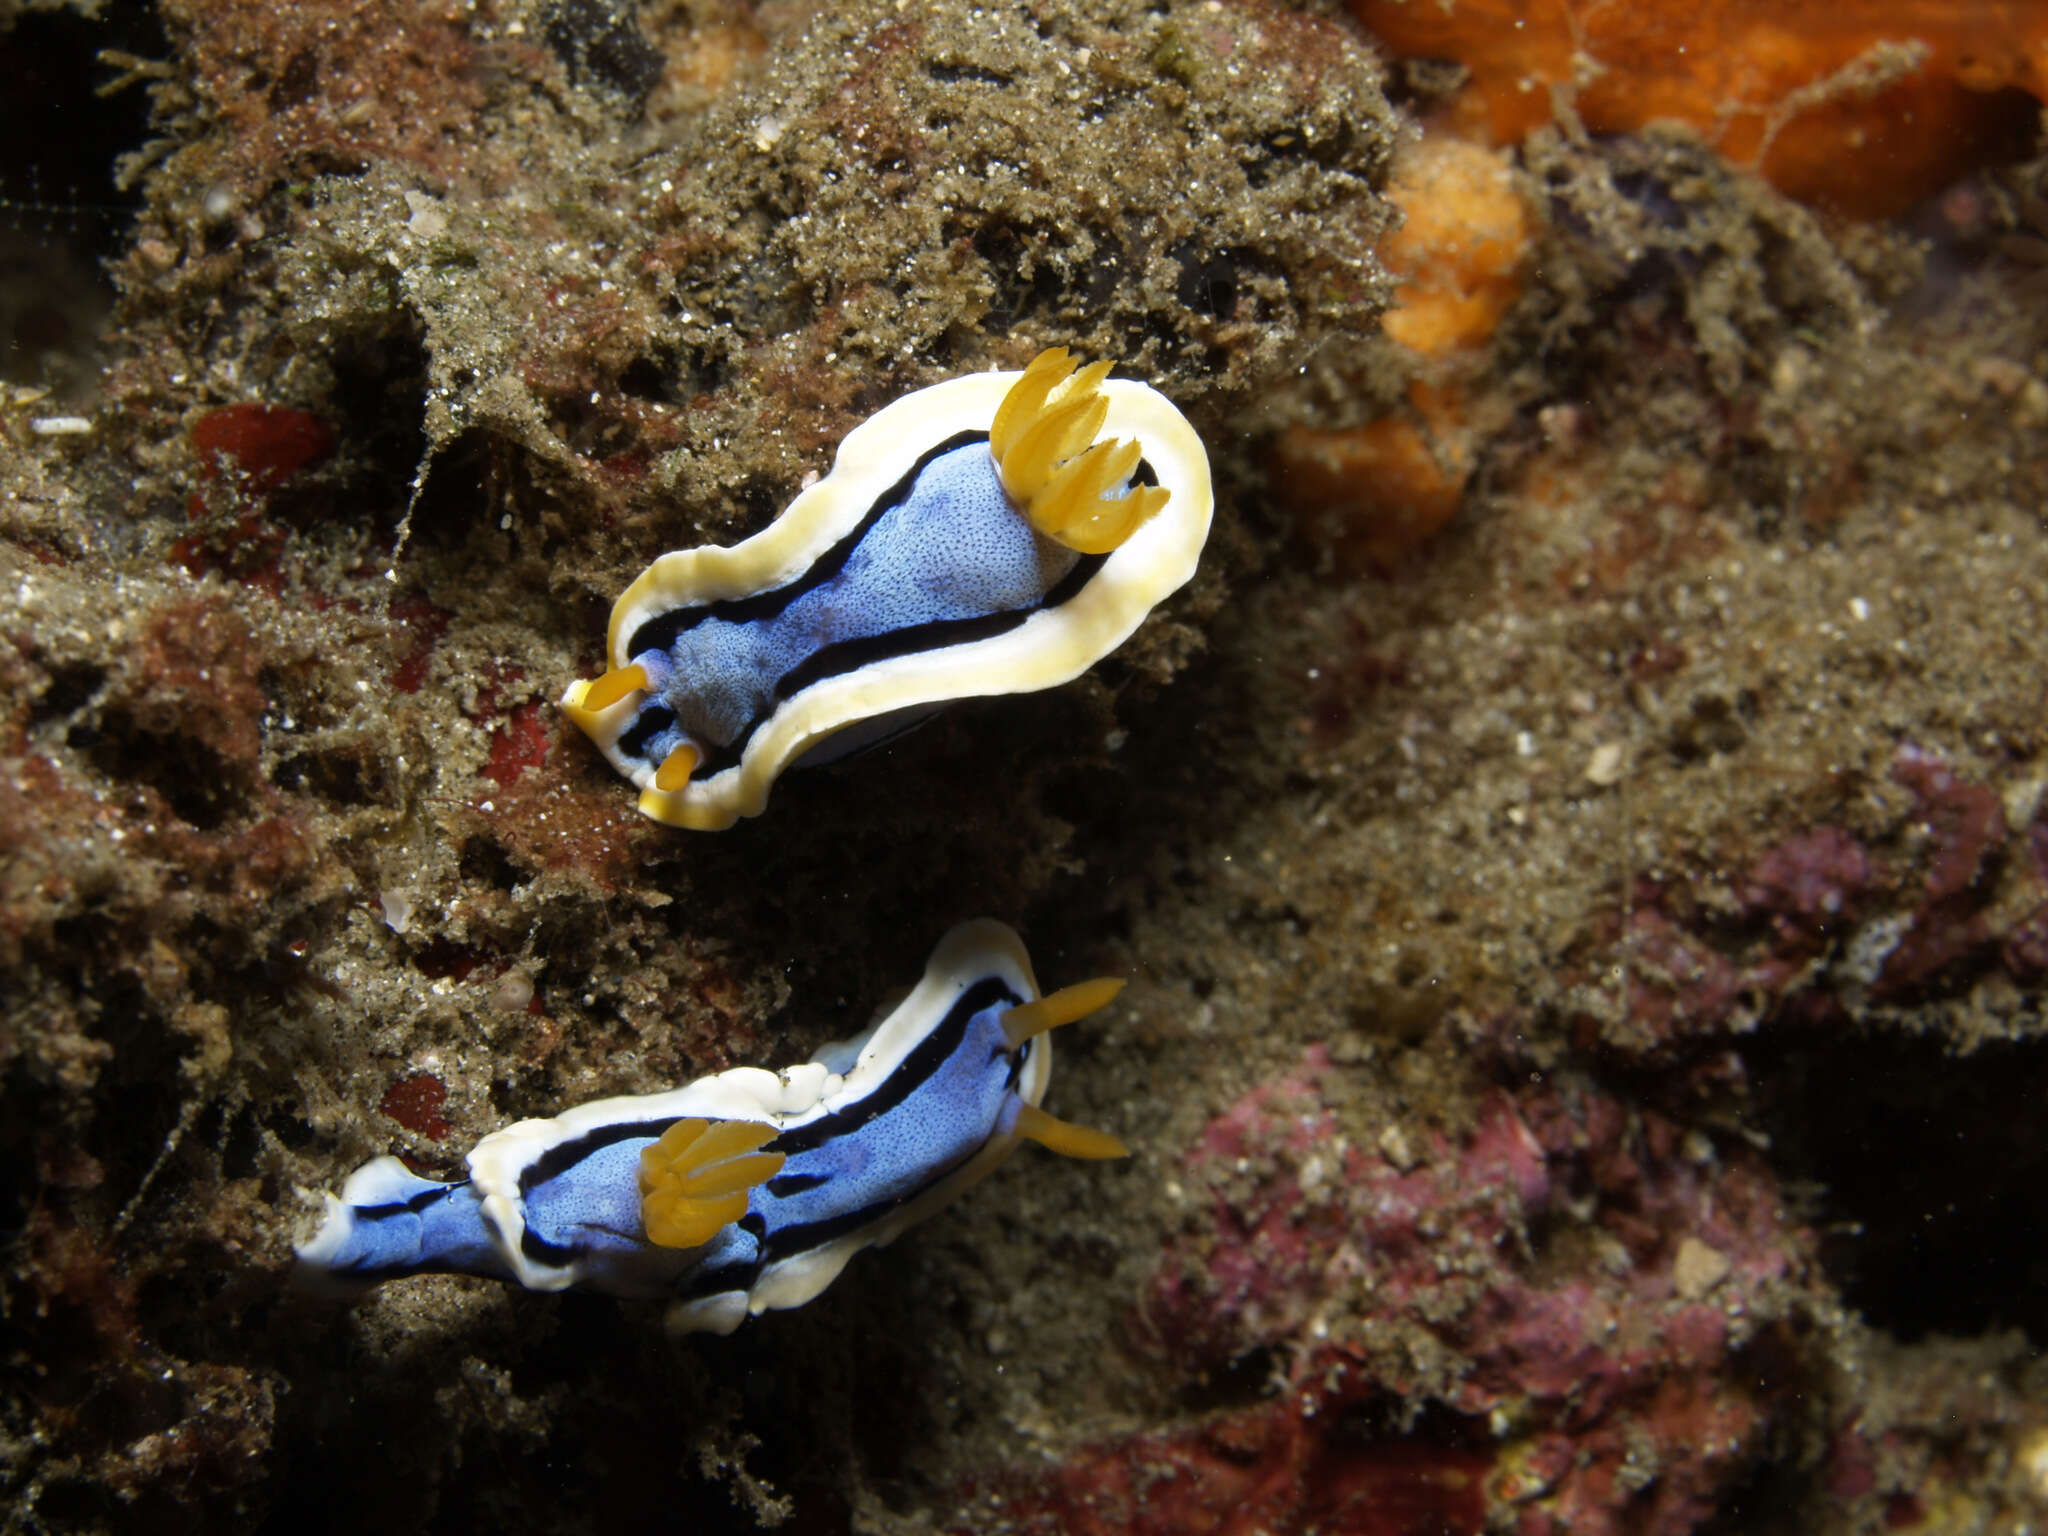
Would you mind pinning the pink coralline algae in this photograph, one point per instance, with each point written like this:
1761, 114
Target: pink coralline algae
1964, 824
247, 452
417, 1101
1284, 1468
520, 738
1808, 885
2026, 945
1803, 893
1326, 1214
1964, 821
1808, 891
1925, 906
1585, 1294
1678, 981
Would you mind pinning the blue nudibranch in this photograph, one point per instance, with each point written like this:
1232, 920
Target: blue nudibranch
746, 1190
997, 533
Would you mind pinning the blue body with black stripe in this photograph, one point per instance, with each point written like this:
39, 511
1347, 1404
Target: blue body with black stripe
941, 559
875, 1134
995, 533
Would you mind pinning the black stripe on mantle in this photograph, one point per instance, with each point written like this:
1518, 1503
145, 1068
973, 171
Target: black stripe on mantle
844, 656
659, 632
916, 1068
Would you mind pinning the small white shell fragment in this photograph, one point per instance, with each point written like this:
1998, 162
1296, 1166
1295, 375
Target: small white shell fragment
1607, 765
513, 991
397, 905
427, 219
1697, 1269
1394, 1147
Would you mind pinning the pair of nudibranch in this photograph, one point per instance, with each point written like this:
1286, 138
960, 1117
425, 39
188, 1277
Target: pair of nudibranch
997, 533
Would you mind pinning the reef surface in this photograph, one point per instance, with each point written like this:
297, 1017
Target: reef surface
1578, 847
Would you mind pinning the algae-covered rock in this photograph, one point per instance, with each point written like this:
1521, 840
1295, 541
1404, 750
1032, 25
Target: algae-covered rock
1582, 1055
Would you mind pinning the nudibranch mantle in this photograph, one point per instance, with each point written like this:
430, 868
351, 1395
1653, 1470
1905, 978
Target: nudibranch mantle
810, 1164
920, 570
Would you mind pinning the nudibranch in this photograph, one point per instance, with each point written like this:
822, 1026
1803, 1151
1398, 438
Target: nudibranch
997, 533
746, 1190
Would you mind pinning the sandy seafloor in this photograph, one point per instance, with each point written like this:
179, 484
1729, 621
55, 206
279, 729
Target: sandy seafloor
1583, 1056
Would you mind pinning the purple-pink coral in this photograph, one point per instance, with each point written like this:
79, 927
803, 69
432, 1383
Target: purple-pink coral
1808, 884
1596, 1275
1964, 824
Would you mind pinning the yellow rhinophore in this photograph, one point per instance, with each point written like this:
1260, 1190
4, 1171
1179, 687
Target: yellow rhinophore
1067, 1138
675, 769
613, 686
1027, 1021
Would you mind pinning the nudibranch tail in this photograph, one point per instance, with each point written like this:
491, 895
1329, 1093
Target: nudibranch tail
389, 1223
997, 533
745, 1190
697, 1176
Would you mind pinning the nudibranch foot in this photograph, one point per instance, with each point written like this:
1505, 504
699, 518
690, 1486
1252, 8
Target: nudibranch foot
997, 533
746, 1190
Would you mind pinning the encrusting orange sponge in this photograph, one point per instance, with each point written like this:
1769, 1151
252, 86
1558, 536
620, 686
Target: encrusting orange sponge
1865, 109
1376, 492
1459, 252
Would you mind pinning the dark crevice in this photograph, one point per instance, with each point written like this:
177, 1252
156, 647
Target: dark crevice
195, 781
455, 498
61, 213
601, 43
980, 74
340, 777
485, 860
71, 687
379, 403
1929, 1168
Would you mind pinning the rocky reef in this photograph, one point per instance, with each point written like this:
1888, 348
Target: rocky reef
1578, 847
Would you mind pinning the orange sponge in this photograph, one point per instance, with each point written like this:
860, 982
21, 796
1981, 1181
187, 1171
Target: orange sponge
1864, 108
1374, 493
1459, 251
